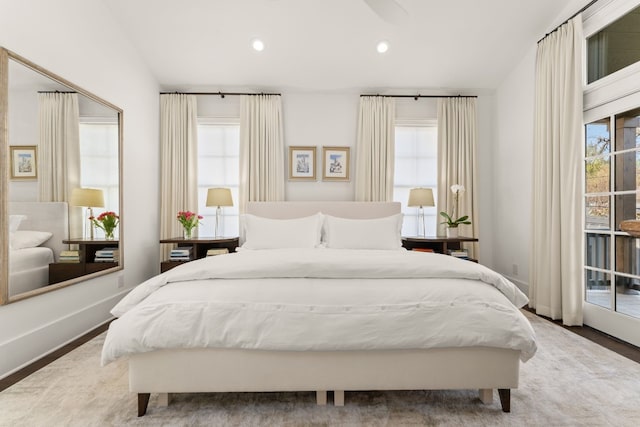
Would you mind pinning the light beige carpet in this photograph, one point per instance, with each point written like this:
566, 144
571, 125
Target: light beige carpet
569, 382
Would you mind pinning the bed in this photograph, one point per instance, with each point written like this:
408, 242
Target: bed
37, 230
351, 312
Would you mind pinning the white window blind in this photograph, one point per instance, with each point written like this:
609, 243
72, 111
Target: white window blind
99, 160
416, 165
218, 166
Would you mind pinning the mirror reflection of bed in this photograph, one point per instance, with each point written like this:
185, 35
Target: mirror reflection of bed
75, 138
36, 232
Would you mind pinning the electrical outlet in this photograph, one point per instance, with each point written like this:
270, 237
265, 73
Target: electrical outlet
514, 269
120, 281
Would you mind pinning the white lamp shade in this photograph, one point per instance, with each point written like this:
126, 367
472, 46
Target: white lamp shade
219, 197
421, 197
87, 197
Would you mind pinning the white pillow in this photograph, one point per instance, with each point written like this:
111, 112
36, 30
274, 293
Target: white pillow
378, 233
267, 233
14, 222
22, 239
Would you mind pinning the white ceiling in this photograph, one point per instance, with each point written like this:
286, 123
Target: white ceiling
329, 45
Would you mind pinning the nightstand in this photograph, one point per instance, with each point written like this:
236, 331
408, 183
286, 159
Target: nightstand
200, 247
61, 271
439, 244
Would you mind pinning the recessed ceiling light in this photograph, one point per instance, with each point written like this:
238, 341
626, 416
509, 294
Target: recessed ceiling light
382, 47
257, 44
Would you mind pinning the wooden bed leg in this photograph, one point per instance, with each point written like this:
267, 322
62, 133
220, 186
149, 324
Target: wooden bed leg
164, 399
143, 401
338, 397
321, 397
486, 395
505, 399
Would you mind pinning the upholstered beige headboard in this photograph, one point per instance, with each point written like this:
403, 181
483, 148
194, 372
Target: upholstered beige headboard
288, 210
45, 216
356, 210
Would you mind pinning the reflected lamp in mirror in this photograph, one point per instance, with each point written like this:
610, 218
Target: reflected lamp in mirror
421, 197
89, 198
219, 197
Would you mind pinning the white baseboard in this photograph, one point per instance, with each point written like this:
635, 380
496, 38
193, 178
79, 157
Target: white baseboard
25, 349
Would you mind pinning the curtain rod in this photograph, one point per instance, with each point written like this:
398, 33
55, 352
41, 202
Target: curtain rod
56, 91
591, 3
220, 94
425, 96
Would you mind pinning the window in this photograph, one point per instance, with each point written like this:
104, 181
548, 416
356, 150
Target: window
612, 183
614, 47
99, 159
218, 166
416, 165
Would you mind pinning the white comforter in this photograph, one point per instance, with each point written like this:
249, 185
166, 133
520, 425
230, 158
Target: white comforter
322, 299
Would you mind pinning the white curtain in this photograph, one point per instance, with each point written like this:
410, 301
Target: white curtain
555, 277
178, 161
262, 155
457, 136
375, 149
59, 152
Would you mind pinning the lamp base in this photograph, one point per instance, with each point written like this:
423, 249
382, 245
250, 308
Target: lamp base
422, 229
88, 226
218, 227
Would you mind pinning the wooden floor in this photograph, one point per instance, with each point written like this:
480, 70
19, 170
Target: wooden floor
625, 349
41, 363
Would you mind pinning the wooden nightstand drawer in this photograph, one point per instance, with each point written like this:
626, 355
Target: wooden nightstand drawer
168, 265
437, 244
200, 247
61, 271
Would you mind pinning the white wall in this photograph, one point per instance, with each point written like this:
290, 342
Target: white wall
78, 40
512, 151
317, 120
21, 118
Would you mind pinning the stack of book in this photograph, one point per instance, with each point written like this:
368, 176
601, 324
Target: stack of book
69, 256
218, 251
181, 253
423, 250
106, 255
459, 253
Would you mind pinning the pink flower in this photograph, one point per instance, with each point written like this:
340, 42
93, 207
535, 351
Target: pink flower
188, 219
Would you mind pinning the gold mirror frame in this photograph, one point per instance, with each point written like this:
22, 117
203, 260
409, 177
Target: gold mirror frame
5, 56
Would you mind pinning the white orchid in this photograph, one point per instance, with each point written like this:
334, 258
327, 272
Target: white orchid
451, 220
457, 188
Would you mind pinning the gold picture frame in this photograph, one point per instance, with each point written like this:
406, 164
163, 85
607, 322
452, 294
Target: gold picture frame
302, 163
335, 163
24, 164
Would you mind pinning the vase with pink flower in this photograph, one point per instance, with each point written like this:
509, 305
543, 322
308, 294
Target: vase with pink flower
107, 222
189, 221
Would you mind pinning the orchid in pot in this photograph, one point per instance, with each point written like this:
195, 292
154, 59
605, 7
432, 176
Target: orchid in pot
107, 221
453, 221
189, 221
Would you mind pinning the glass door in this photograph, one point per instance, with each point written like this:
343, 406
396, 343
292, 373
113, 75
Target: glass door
612, 256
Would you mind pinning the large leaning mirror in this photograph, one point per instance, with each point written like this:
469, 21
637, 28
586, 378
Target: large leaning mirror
60, 189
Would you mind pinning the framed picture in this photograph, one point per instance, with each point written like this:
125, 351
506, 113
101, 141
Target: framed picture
302, 163
23, 162
335, 163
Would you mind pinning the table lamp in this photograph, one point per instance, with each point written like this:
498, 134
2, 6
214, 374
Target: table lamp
421, 197
89, 198
219, 197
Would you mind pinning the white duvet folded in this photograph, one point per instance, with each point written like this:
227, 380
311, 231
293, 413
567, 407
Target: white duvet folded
322, 299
